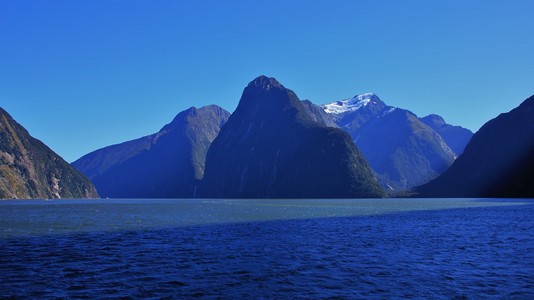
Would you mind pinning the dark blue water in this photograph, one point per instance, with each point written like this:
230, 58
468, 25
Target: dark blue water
268, 250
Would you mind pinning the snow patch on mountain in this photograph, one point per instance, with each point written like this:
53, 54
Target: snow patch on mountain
352, 104
388, 111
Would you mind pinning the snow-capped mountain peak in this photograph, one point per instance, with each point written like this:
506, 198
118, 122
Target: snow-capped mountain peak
351, 104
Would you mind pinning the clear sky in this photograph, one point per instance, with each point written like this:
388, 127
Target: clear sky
81, 75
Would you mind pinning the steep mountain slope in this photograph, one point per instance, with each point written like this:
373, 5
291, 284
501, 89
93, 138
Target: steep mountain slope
401, 149
318, 114
497, 162
99, 161
29, 169
167, 164
456, 137
271, 148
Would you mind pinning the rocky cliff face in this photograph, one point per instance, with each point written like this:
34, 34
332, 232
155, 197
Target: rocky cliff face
29, 169
168, 164
497, 162
272, 148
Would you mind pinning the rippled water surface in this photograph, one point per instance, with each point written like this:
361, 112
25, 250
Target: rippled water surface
270, 249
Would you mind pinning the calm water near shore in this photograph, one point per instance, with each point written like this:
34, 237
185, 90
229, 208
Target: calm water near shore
270, 249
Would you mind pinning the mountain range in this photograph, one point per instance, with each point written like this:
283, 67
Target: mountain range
276, 146
403, 150
497, 162
29, 169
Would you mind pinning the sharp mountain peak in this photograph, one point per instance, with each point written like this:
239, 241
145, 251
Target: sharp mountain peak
266, 83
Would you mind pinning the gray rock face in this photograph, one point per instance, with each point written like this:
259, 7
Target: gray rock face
31, 170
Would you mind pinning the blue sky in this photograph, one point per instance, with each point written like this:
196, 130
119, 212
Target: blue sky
81, 75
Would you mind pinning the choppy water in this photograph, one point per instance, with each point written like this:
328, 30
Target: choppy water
270, 249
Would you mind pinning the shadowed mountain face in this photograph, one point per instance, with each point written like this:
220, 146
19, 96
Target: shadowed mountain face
167, 164
272, 148
497, 162
402, 150
29, 169
318, 114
